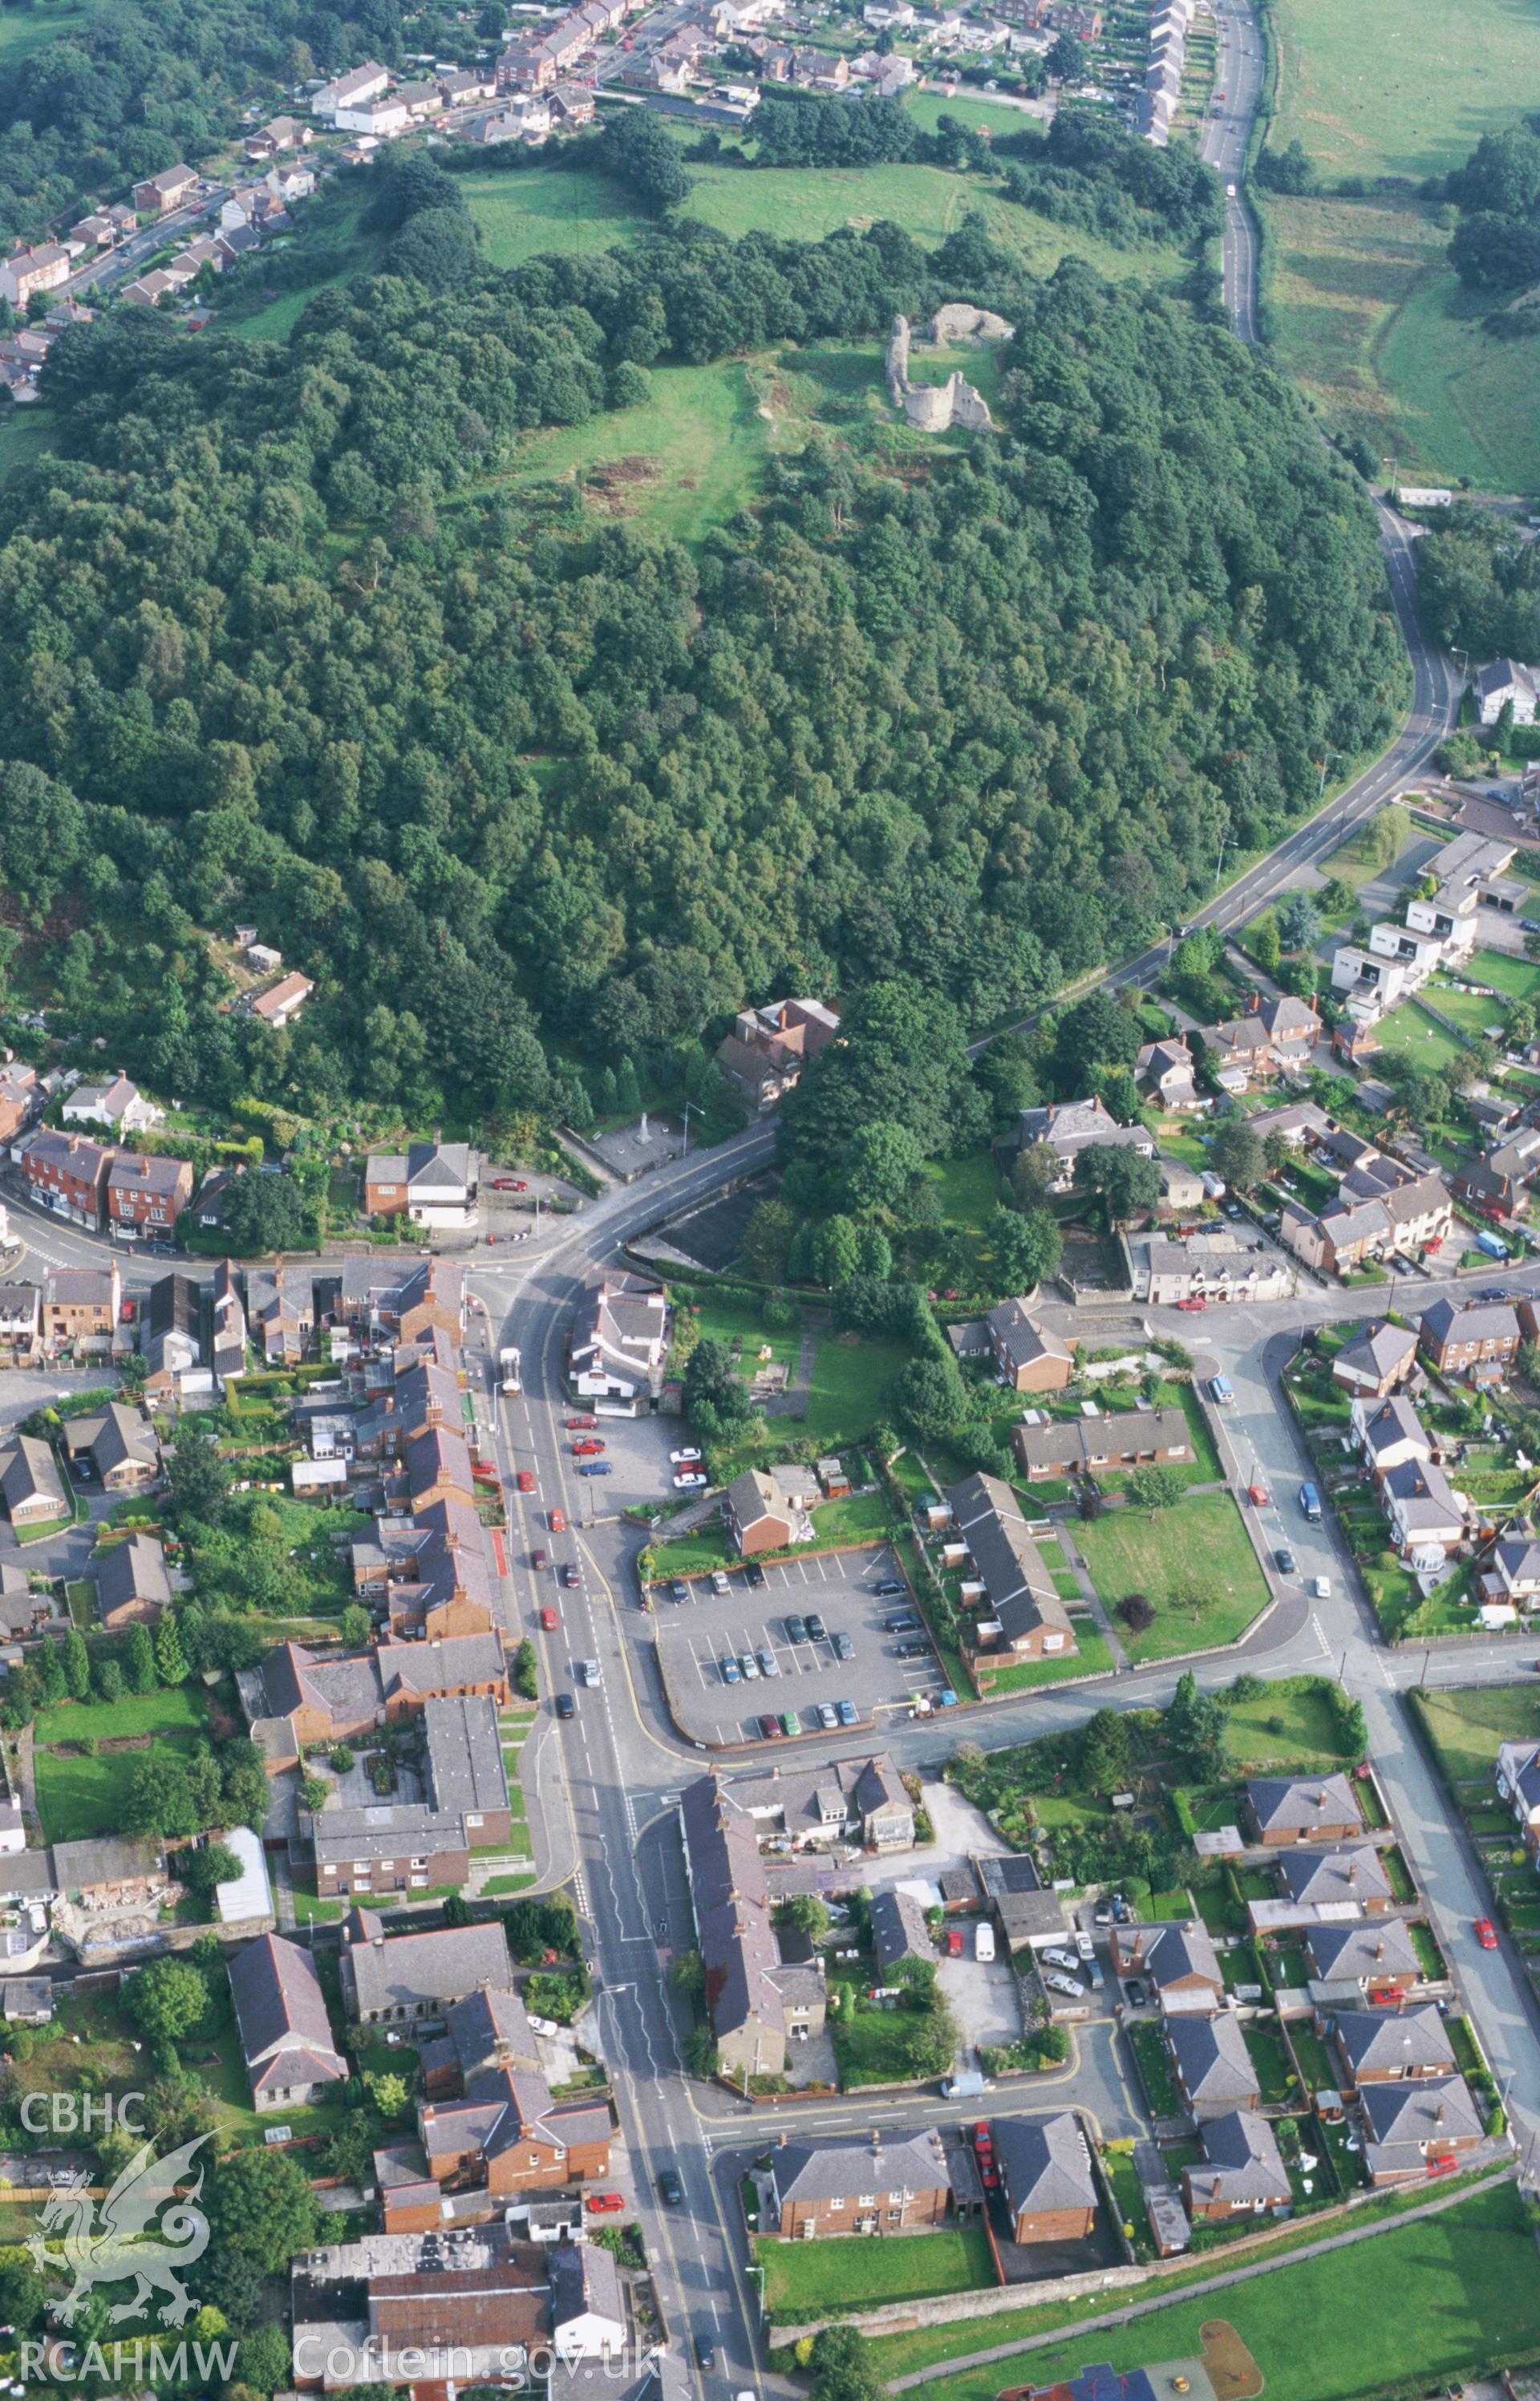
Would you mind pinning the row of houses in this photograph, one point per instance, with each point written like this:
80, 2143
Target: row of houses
1156, 106
1382, 1209
1434, 933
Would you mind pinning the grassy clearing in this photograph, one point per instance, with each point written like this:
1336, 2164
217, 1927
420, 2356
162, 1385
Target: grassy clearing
1283, 1730
1195, 1563
25, 433
78, 1797
1405, 87
23, 31
1466, 1727
1516, 978
926, 107
179, 1705
813, 2276
1422, 2300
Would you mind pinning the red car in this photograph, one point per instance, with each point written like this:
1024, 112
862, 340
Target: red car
549, 1621
1486, 1934
770, 1729
526, 1479
1193, 1302
509, 1184
1258, 1496
582, 1419
540, 1560
587, 1448
954, 1943
558, 1521
984, 2141
599, 2202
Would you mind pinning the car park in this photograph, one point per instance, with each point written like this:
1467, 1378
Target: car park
817, 1631
845, 1711
539, 1561
751, 1667
595, 1467
549, 1620
731, 1672
796, 1630
679, 1590
770, 1727
566, 1706
842, 1645
769, 1664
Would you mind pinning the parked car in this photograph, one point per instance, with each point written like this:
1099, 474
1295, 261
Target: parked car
731, 1671
828, 1716
788, 1724
566, 1706
903, 1622
842, 1646
751, 1667
755, 1574
770, 1727
846, 1712
889, 1585
669, 2187
679, 1590
953, 1942
1283, 1561
1193, 1302
1486, 1934
1085, 1947
525, 1479
576, 1423
817, 1631
796, 1630
688, 1480
1069, 1985
509, 1184
769, 1664
549, 1621
1136, 1992
597, 1467
1059, 1956
1321, 1588
686, 1458
600, 2201
910, 1650
719, 1580
588, 1447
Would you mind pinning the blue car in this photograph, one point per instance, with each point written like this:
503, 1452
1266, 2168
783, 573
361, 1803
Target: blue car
595, 1467
948, 1698
845, 1711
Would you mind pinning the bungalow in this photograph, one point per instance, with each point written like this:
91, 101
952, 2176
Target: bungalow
1023, 1613
1376, 1958
133, 1586
1242, 2173
29, 1483
1376, 1360
1212, 2068
1178, 1958
1085, 1445
1414, 2128
286, 2041
1045, 2169
860, 2186
284, 1000
1518, 1773
1302, 1809
1390, 2046
1167, 1068
1477, 1342
116, 1446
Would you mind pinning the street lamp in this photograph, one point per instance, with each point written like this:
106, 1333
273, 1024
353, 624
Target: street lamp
699, 1112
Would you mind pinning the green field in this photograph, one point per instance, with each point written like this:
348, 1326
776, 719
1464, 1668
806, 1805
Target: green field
25, 433
1466, 1727
1195, 1564
1421, 2301
1401, 87
995, 116
23, 30
813, 2277
77, 1796
1283, 1730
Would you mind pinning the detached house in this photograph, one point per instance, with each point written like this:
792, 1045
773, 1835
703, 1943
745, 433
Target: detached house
1376, 1360
116, 1446
768, 1047
431, 1183
286, 2041
1045, 2174
1212, 2065
846, 2186
1069, 1127
1178, 1958
620, 1340
118, 1103
1390, 2046
1242, 2173
1302, 1809
1026, 1357
1518, 1773
1479, 1342
1506, 684
159, 193
1167, 1068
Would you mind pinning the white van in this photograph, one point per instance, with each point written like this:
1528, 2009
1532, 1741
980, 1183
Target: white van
984, 1942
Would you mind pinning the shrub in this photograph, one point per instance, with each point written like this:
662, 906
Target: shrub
1136, 1612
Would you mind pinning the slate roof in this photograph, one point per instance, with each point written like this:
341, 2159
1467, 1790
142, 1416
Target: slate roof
402, 1970
115, 1436
1076, 1442
1435, 2111
1215, 2062
1443, 1324
1296, 1804
1394, 2041
1349, 1872
281, 2016
1363, 1954
432, 1668
1044, 2163
1242, 2161
134, 1570
1379, 1349
843, 2167
988, 1517
899, 1930
28, 1472
1021, 1338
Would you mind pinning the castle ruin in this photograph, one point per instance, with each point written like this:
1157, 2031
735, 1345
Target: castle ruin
933, 408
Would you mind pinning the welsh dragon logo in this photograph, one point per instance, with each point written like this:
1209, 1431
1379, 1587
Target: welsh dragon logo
147, 2231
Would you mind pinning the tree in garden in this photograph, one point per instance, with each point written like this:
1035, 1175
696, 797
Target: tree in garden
265, 1212
1024, 1246
1299, 921
199, 1476
878, 1164
835, 1251
767, 1240
1096, 1033
209, 1864
1126, 1180
808, 1913
1118, 1094
107, 1677
627, 1085
1195, 1728
1066, 58
171, 1663
139, 1659
78, 1664
355, 1625
1236, 1154
1155, 1487
48, 1660
843, 2367
1265, 942
711, 1381
1034, 1171
166, 2000
928, 1398
1107, 1752
1136, 1613
873, 1254
260, 2203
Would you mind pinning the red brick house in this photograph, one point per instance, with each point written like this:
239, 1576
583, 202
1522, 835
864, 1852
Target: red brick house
860, 2186
510, 2138
68, 1174
146, 1195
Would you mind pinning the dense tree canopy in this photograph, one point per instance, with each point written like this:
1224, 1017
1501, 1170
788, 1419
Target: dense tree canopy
1497, 191
501, 774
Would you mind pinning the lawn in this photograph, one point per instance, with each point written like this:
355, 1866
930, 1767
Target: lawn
1412, 1032
1466, 1727
1283, 1730
1405, 88
806, 2279
872, 2046
78, 1797
926, 107
1422, 2301
1193, 1562
970, 1189
27, 432
850, 1380
1093, 1658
